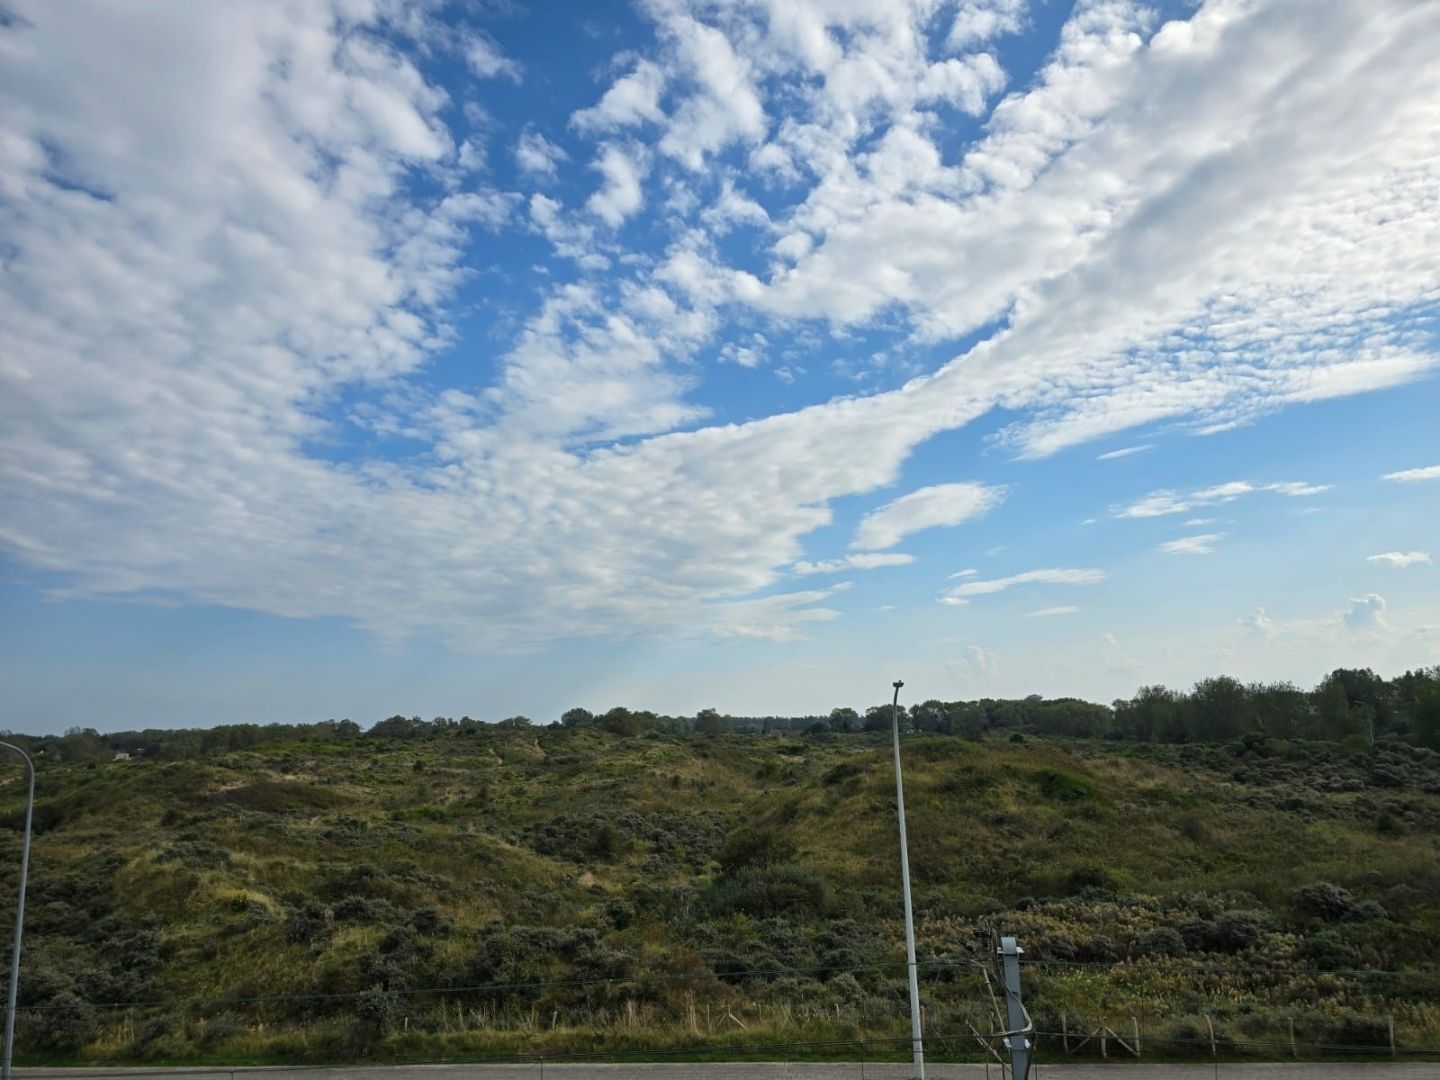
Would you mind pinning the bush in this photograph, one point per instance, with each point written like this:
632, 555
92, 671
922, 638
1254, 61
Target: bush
216, 1031
1091, 879
1356, 1030
376, 1011
1065, 787
66, 1025
1162, 941
748, 847
762, 891
430, 921
1232, 932
1323, 901
364, 909
1326, 950
1334, 904
306, 925
618, 913
1239, 930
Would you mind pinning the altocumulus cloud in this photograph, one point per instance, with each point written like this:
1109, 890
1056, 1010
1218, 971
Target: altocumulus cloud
1410, 476
1399, 559
940, 504
962, 594
235, 235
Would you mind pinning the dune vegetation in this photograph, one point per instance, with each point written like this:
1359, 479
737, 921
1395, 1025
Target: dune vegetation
469, 891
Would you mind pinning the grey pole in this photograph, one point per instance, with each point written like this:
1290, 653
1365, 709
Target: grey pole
19, 918
917, 1045
1017, 1038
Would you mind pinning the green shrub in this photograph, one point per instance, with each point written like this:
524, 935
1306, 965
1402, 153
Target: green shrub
1064, 787
1334, 904
65, 1024
1231, 932
750, 846
786, 889
1162, 941
376, 1010
1326, 950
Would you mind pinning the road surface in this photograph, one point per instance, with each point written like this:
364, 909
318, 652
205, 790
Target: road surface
1414, 1070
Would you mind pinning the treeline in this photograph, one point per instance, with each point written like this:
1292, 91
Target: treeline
1348, 705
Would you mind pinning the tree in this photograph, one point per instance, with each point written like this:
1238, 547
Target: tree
392, 727
877, 718
930, 716
710, 722
966, 719
1426, 716
577, 717
844, 719
1282, 710
1332, 710
1152, 715
1219, 709
514, 723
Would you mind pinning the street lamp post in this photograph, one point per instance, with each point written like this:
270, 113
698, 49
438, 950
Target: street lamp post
917, 1045
19, 918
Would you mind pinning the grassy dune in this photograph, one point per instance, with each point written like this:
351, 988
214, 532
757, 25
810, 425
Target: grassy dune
600, 893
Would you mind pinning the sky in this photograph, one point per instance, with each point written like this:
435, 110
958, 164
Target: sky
480, 358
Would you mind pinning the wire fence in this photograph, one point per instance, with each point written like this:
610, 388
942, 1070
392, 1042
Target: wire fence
953, 1035
729, 976
940, 1048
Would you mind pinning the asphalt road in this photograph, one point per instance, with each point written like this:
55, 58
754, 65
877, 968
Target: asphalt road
770, 1071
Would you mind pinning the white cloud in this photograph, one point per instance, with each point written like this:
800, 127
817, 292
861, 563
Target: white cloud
537, 155
961, 594
217, 237
486, 60
1366, 615
975, 666
1202, 544
977, 21
1399, 559
1161, 503
1295, 489
1063, 609
1429, 472
925, 508
1124, 452
620, 196
1258, 623
859, 561
631, 100
723, 106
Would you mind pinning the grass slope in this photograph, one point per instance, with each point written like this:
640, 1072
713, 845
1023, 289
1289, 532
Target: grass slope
608, 893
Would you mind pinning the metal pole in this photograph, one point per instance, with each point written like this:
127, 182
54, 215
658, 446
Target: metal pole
917, 1045
19, 918
1017, 1038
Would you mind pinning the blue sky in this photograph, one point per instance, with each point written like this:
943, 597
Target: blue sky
366, 357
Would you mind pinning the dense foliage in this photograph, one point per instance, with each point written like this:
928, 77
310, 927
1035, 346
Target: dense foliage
1349, 703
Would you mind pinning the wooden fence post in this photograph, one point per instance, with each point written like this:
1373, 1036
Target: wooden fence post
1135, 1022
1392, 1034
1210, 1024
1294, 1051
1064, 1032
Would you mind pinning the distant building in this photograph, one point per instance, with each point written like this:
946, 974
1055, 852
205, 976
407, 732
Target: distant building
121, 755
